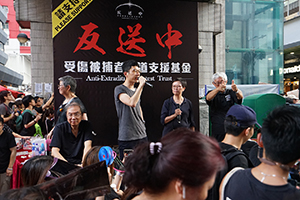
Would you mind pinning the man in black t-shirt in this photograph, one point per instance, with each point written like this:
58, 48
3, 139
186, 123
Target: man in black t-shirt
72, 139
8, 150
6, 112
239, 126
220, 100
28, 118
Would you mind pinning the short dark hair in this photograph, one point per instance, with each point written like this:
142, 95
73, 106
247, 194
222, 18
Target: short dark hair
49, 111
186, 155
75, 104
182, 81
128, 64
231, 126
26, 100
11, 104
281, 134
3, 94
35, 169
19, 103
37, 97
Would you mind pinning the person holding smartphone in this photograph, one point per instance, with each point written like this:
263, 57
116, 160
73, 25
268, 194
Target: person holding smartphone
6, 112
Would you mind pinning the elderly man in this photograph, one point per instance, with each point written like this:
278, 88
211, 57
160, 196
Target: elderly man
72, 138
220, 100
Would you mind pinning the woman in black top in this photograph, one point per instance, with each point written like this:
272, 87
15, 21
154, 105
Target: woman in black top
67, 86
177, 111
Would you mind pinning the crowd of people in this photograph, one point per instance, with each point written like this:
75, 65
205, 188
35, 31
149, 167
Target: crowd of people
184, 164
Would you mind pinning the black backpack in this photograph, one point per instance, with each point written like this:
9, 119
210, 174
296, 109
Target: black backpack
227, 154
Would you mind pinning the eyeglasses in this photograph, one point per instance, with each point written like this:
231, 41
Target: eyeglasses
218, 83
78, 114
60, 86
136, 71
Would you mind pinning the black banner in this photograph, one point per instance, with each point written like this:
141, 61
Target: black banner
92, 38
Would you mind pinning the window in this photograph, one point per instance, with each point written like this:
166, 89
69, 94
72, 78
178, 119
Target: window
1, 46
5, 8
5, 25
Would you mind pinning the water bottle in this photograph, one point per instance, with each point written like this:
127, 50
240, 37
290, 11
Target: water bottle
42, 149
33, 149
37, 149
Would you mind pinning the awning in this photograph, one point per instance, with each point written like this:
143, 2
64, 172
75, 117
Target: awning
14, 93
10, 76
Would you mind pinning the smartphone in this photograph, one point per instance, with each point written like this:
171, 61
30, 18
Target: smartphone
118, 164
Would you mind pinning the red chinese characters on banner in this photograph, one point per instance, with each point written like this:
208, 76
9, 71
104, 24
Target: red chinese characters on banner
130, 44
129, 47
89, 44
173, 39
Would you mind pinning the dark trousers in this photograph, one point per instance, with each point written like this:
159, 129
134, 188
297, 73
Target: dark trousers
218, 132
131, 144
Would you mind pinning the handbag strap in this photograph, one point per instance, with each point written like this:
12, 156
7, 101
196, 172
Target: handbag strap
226, 179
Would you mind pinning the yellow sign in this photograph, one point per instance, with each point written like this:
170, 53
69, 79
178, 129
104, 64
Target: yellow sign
65, 13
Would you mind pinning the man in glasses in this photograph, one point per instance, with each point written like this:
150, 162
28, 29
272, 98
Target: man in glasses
132, 129
220, 100
72, 138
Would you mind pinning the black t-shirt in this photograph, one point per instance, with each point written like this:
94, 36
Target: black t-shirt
27, 117
236, 161
7, 141
71, 147
251, 148
186, 117
243, 185
219, 106
38, 109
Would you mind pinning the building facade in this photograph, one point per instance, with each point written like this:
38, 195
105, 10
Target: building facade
8, 76
291, 45
254, 41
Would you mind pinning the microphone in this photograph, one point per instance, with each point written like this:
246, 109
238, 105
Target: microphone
149, 84
178, 116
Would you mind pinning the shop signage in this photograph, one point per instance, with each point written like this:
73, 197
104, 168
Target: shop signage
291, 70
